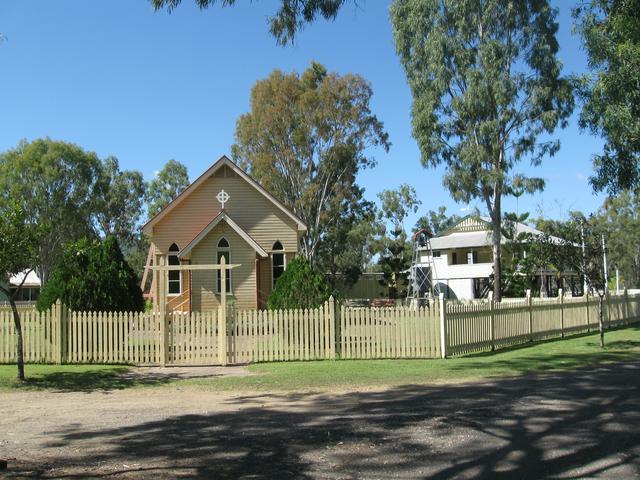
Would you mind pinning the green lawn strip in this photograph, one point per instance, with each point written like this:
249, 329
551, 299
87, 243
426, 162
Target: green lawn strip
553, 355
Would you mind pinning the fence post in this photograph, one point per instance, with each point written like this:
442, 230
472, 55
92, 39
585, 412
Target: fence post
491, 321
222, 314
586, 299
561, 295
530, 311
626, 306
332, 328
443, 326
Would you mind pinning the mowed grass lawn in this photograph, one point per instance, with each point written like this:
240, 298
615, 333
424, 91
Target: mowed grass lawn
583, 351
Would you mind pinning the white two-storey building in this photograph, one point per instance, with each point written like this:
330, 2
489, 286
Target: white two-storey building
462, 260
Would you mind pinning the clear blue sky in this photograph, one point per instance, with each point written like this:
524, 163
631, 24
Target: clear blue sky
119, 79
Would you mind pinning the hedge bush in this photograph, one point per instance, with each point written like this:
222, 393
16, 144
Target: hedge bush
92, 275
299, 286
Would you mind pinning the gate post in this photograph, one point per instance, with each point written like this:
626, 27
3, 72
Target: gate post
332, 328
163, 276
443, 326
59, 314
222, 314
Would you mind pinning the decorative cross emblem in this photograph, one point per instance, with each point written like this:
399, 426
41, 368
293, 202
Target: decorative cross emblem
222, 197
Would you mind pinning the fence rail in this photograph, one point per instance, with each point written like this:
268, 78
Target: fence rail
221, 337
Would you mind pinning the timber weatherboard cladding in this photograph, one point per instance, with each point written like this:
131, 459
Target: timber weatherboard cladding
255, 214
243, 278
251, 210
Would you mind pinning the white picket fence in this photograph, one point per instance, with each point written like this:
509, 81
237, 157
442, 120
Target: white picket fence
396, 332
491, 325
218, 338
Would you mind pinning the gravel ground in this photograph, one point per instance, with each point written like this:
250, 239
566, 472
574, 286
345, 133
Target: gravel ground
570, 425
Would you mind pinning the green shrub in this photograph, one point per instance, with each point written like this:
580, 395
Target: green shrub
93, 276
299, 287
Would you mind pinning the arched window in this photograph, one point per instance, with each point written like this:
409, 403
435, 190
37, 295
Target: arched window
278, 261
175, 276
224, 251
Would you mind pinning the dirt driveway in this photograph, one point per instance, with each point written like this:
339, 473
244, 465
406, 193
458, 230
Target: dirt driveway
570, 425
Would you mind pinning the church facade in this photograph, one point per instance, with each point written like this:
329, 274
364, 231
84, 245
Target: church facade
222, 214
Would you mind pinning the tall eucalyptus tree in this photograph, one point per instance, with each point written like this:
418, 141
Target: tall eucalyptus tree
487, 93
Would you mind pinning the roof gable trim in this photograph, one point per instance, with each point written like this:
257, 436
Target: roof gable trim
205, 231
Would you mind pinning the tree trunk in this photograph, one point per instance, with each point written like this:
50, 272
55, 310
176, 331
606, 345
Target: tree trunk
18, 324
601, 319
497, 250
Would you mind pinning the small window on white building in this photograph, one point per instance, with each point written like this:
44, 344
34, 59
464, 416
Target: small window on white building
472, 257
436, 253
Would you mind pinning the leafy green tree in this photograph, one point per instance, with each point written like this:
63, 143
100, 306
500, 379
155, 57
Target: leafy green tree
299, 287
486, 87
166, 185
136, 252
92, 275
349, 246
517, 267
619, 219
19, 249
395, 250
55, 184
305, 140
287, 21
436, 221
120, 200
610, 31
590, 264
527, 257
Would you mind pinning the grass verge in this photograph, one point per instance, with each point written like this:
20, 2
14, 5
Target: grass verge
548, 356
554, 355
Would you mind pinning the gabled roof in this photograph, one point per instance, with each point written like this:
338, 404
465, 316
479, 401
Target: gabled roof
31, 280
218, 218
223, 161
474, 231
470, 223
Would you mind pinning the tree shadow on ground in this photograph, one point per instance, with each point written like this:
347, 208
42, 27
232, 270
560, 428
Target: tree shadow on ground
609, 345
100, 380
535, 363
623, 345
573, 424
552, 360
